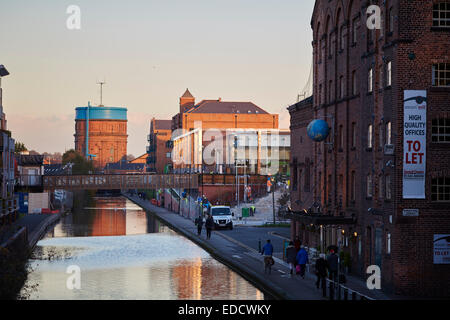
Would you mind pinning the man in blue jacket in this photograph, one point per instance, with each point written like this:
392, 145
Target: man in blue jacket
267, 251
302, 260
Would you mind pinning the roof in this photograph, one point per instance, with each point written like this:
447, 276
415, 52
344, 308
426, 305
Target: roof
55, 169
121, 165
187, 94
217, 106
163, 125
30, 160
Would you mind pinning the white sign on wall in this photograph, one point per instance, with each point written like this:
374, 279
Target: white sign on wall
441, 249
410, 212
414, 144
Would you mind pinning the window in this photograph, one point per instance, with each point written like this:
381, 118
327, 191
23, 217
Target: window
389, 74
330, 92
381, 134
441, 75
441, 14
341, 137
369, 186
353, 186
341, 87
440, 189
300, 172
388, 243
391, 20
342, 39
369, 137
370, 81
440, 130
320, 94
307, 175
168, 155
353, 135
294, 175
388, 132
388, 187
380, 187
354, 83
355, 31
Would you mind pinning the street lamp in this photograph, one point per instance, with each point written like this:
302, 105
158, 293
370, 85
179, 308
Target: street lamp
3, 73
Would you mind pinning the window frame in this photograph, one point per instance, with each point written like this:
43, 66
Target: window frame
441, 74
438, 136
441, 8
440, 188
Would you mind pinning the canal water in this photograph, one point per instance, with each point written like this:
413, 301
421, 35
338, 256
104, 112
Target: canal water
123, 252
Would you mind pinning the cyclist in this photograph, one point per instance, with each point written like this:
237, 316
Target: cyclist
267, 252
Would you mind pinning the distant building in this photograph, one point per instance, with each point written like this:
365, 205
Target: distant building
160, 147
140, 159
8, 205
124, 167
244, 135
30, 169
101, 133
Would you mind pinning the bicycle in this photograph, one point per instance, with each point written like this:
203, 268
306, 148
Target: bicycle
268, 262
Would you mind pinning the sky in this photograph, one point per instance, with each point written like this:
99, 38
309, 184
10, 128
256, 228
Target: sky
148, 52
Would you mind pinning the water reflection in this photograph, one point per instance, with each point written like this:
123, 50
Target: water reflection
128, 254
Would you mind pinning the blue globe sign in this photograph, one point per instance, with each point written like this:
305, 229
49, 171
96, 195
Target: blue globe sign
318, 130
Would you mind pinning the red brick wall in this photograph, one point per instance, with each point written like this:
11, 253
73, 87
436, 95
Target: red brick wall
409, 269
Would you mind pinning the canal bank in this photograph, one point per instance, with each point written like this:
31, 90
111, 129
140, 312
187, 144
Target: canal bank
243, 260
16, 246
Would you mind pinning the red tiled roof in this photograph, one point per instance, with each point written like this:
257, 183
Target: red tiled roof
217, 106
187, 94
163, 125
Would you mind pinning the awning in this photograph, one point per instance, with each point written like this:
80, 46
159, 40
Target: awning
320, 219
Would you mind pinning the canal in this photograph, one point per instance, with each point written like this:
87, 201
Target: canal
125, 253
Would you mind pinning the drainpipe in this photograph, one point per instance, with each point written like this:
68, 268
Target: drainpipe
87, 129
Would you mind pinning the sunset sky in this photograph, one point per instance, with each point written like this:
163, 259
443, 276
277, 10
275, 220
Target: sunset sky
148, 52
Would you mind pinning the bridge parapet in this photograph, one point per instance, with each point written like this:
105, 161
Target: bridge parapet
120, 181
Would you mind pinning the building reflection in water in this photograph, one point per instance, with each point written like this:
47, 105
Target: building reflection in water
108, 217
207, 279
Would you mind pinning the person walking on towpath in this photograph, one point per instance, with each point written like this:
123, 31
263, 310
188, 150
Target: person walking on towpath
209, 226
321, 272
199, 223
291, 255
267, 252
302, 260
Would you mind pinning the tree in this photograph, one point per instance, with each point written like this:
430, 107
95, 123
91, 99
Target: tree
20, 147
80, 164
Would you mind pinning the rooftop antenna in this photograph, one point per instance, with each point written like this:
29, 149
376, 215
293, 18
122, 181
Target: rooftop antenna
101, 83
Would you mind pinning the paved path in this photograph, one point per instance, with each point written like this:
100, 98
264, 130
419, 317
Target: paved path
36, 224
243, 259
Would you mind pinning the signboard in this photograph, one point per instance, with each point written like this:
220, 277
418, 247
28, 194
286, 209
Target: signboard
410, 212
414, 144
441, 249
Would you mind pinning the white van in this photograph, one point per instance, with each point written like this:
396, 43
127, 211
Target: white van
223, 217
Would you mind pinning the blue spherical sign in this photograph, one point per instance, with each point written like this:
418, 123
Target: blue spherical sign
318, 130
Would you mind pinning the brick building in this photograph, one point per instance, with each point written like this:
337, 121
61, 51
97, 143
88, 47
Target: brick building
249, 124
362, 81
160, 147
101, 133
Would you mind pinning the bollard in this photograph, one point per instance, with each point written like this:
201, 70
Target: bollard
345, 294
353, 295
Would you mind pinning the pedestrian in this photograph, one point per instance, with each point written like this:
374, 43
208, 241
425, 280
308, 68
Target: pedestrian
209, 226
333, 262
199, 223
297, 244
267, 252
291, 255
302, 260
321, 272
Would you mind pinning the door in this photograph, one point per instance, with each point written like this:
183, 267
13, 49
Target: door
378, 245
